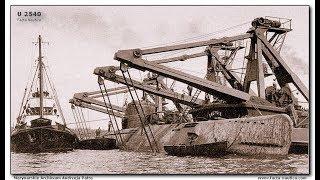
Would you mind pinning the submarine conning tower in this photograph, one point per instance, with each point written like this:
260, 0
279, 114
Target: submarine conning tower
131, 118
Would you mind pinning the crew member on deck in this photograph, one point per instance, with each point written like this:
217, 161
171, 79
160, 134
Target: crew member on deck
190, 90
98, 132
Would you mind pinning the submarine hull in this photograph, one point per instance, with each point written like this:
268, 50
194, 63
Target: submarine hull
261, 136
210, 149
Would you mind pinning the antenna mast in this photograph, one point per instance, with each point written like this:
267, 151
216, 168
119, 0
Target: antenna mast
40, 77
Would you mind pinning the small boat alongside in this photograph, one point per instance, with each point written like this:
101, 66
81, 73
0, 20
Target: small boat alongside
97, 144
45, 138
34, 131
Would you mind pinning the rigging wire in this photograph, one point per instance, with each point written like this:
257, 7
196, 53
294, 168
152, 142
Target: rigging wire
102, 119
85, 130
32, 65
80, 120
181, 69
114, 85
80, 124
200, 36
195, 38
88, 117
55, 95
29, 92
115, 128
76, 122
84, 120
142, 118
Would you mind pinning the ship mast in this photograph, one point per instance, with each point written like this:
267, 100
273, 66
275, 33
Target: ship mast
40, 78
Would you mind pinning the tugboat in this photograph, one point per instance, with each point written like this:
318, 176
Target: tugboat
40, 108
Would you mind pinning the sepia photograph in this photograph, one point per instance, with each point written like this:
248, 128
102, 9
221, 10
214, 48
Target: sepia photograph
160, 90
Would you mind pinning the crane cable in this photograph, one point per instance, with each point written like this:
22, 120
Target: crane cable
196, 38
201, 36
76, 122
137, 109
115, 128
84, 120
79, 125
85, 131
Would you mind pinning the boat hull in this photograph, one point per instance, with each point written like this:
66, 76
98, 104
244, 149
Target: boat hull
40, 139
98, 144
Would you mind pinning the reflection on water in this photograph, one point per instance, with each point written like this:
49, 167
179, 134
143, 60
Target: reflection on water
121, 162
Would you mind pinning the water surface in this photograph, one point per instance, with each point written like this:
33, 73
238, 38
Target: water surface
122, 162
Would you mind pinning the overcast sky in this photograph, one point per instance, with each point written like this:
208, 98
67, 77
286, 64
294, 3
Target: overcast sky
82, 38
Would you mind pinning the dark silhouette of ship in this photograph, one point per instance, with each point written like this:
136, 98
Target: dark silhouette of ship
40, 107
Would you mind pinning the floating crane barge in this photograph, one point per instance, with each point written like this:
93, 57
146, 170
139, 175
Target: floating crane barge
270, 122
